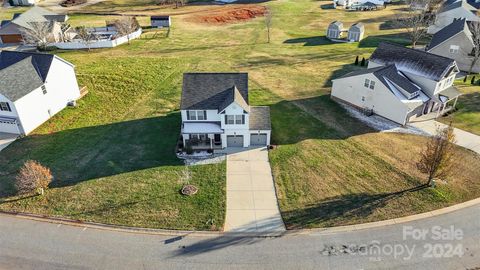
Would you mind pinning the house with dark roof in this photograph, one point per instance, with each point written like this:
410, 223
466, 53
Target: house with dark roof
160, 21
11, 31
216, 112
455, 41
33, 88
400, 84
451, 10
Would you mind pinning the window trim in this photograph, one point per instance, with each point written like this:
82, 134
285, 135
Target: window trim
5, 106
366, 83
44, 89
194, 115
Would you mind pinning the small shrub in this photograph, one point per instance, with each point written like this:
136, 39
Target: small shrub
356, 61
363, 62
33, 176
473, 80
210, 151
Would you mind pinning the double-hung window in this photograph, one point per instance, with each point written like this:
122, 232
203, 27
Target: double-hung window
44, 89
4, 106
369, 84
454, 48
229, 119
239, 119
197, 115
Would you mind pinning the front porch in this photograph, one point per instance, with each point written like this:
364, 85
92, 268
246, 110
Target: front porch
446, 102
202, 141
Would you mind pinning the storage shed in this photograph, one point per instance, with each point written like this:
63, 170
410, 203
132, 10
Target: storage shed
160, 21
334, 30
356, 32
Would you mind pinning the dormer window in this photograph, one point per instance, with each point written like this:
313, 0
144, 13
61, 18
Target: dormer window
197, 115
4, 106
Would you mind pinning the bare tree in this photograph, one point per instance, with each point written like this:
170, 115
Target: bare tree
416, 20
475, 53
268, 22
436, 159
127, 25
86, 35
38, 34
178, 3
33, 177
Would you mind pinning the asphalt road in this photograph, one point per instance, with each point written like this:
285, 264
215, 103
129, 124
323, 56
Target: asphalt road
27, 244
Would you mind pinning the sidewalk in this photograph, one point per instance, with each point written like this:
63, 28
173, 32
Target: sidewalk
462, 138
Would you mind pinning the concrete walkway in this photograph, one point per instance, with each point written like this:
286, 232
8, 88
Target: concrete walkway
251, 199
462, 138
6, 139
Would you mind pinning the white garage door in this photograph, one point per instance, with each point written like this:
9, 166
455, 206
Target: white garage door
235, 141
258, 139
8, 126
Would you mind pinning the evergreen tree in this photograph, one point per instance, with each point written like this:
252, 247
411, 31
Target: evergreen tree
356, 61
363, 62
465, 79
473, 80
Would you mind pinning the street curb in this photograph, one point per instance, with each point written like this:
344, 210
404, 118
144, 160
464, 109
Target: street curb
314, 231
388, 222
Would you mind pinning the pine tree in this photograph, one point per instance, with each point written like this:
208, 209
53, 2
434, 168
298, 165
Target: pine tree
356, 61
473, 80
363, 62
465, 79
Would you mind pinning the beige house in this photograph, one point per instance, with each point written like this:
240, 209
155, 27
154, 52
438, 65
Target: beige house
455, 41
400, 84
11, 31
451, 10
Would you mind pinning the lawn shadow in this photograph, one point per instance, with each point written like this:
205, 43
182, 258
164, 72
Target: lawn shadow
327, 6
345, 69
344, 207
310, 41
81, 154
373, 41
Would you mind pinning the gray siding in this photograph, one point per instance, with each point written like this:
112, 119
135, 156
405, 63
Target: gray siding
462, 58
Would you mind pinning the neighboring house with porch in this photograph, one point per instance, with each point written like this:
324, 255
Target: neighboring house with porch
455, 41
23, 2
451, 10
33, 88
11, 31
216, 113
400, 84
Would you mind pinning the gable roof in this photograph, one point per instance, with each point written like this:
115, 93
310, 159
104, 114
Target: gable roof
36, 14
457, 26
166, 17
413, 61
336, 23
214, 91
21, 72
452, 4
359, 26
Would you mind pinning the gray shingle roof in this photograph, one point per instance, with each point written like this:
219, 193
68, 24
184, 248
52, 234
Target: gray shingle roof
447, 32
391, 74
260, 118
35, 14
359, 26
21, 72
211, 91
361, 72
418, 62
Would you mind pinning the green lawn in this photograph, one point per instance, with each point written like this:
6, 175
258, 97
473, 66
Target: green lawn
468, 115
113, 155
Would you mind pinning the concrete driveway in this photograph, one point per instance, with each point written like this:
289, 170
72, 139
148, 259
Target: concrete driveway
462, 138
6, 139
251, 198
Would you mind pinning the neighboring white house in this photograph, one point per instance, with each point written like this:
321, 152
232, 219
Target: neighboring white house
23, 2
33, 88
349, 3
451, 10
456, 41
400, 84
216, 112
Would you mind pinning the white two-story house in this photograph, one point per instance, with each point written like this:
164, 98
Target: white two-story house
401, 84
33, 88
216, 113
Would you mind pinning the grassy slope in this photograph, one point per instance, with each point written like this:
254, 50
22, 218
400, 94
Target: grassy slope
329, 170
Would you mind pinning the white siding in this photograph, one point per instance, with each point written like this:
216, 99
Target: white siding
380, 99
36, 108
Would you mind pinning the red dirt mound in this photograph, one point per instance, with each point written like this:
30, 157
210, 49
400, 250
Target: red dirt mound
230, 14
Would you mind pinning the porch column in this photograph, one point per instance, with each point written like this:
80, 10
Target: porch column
211, 141
438, 112
455, 103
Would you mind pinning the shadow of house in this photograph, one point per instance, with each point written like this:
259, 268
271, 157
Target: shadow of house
373, 41
327, 6
344, 207
345, 69
309, 41
87, 153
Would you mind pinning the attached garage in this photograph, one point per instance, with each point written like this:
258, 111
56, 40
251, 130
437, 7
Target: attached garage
258, 139
235, 141
8, 125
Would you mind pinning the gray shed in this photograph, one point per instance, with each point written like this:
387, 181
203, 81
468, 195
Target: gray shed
356, 32
160, 21
334, 30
